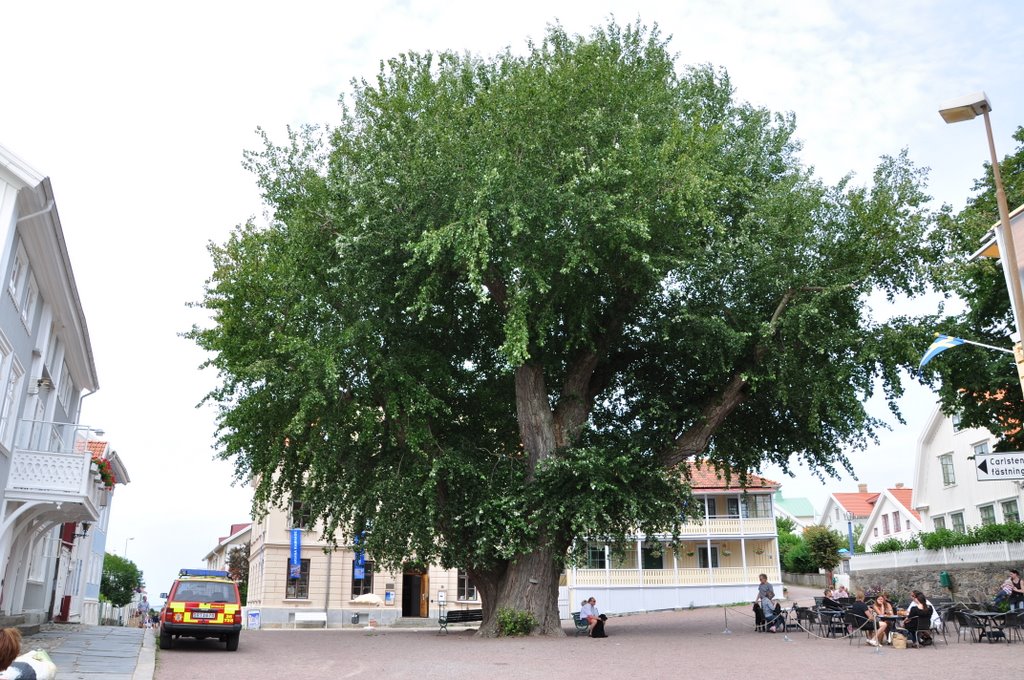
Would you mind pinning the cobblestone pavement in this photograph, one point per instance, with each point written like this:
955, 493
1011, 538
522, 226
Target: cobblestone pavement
91, 652
671, 644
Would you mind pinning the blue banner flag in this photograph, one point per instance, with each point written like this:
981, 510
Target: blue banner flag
295, 554
941, 344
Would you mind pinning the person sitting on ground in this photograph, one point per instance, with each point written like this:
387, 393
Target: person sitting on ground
919, 617
35, 665
880, 607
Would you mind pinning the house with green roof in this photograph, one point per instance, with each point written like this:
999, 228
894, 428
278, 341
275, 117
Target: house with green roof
800, 510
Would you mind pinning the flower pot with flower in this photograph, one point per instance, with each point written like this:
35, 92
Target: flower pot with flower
106, 472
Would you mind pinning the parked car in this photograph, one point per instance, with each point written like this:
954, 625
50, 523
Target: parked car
202, 603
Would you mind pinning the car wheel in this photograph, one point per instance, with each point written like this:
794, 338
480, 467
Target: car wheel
166, 641
233, 642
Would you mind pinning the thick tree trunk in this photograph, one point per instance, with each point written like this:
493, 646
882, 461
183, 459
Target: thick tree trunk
528, 584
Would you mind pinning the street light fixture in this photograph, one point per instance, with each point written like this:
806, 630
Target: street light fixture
125, 554
967, 108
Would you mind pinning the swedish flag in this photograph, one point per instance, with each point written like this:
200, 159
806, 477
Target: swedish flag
941, 344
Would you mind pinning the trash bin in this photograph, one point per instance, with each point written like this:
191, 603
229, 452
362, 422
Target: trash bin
944, 580
355, 619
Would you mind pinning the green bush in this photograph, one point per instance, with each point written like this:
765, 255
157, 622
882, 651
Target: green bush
888, 545
942, 538
798, 560
513, 622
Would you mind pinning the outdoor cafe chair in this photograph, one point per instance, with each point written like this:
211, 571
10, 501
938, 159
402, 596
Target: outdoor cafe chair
857, 626
1013, 626
830, 622
806, 619
970, 625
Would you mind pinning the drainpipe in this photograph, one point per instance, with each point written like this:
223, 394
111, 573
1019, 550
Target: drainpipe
327, 595
50, 205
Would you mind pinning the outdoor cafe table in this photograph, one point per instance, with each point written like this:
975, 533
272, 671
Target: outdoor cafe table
894, 621
831, 621
991, 625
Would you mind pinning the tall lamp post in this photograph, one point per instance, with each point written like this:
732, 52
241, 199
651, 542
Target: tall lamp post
967, 108
849, 531
125, 553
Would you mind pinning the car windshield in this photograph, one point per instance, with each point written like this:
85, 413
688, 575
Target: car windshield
206, 591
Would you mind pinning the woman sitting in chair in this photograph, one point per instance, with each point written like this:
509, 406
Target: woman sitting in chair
919, 617
880, 607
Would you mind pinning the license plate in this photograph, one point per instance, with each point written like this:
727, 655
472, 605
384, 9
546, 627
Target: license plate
204, 615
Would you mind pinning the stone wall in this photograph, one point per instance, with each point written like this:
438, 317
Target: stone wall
970, 582
811, 580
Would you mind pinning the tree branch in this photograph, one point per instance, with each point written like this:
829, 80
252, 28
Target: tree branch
694, 442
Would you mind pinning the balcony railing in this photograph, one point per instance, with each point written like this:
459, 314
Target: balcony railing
673, 577
729, 526
54, 459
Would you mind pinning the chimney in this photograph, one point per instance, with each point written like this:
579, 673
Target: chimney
899, 485
862, 488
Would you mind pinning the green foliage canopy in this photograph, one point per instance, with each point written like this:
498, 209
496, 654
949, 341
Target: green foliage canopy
979, 384
507, 298
823, 545
120, 579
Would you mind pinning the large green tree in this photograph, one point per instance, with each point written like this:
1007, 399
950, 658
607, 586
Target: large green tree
120, 579
508, 299
980, 384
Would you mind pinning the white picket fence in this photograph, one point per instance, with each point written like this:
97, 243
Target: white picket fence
963, 554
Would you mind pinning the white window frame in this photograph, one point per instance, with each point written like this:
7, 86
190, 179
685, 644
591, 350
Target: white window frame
703, 554
950, 479
981, 448
939, 522
65, 386
987, 513
18, 268
29, 302
11, 375
1016, 509
953, 516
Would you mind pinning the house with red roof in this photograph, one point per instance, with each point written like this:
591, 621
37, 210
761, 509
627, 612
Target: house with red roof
238, 536
892, 516
844, 512
718, 560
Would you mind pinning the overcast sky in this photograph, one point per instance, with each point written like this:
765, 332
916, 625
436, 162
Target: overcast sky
139, 113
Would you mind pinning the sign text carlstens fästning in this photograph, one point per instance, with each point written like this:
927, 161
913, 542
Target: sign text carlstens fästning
1000, 466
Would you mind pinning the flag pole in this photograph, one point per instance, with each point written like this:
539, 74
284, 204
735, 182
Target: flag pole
981, 344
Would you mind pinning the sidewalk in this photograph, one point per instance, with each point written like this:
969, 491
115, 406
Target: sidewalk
97, 652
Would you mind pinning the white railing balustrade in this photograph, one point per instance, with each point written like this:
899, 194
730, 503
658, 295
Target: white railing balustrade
672, 577
960, 554
54, 457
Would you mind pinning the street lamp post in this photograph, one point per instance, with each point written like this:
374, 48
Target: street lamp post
125, 554
968, 108
849, 531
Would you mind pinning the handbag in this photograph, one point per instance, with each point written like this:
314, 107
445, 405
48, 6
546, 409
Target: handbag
899, 641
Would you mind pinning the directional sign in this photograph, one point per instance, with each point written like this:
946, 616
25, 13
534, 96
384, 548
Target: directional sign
1000, 466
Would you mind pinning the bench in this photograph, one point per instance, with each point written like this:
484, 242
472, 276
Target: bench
459, 616
582, 627
304, 617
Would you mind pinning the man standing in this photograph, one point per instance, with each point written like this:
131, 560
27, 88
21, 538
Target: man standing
765, 597
143, 611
